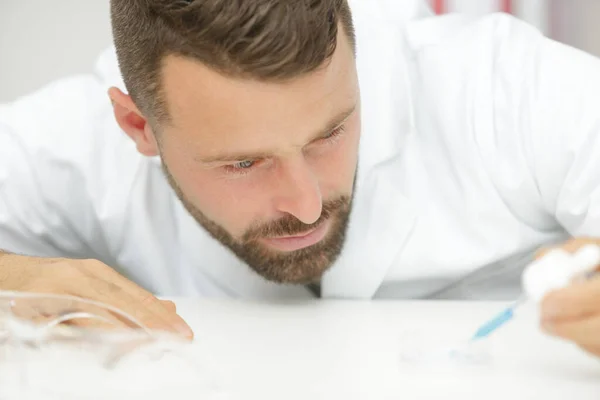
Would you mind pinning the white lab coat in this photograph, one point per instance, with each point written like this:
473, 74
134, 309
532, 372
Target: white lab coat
480, 140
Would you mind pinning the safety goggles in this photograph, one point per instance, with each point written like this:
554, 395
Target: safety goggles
63, 347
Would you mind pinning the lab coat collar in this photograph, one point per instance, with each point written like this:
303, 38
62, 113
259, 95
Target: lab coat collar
381, 222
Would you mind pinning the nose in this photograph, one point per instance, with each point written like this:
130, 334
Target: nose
298, 191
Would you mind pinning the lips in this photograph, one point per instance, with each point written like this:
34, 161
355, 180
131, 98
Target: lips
298, 242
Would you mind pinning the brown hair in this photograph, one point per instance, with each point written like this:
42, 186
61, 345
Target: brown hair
268, 40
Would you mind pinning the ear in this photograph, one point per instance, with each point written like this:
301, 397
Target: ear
133, 123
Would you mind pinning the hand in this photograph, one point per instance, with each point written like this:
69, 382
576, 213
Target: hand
573, 313
92, 280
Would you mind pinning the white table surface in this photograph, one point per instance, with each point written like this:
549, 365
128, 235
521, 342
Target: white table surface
352, 350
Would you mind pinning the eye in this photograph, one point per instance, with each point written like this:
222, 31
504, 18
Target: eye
243, 165
335, 133
241, 168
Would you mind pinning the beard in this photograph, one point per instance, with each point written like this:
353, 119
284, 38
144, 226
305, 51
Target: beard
303, 266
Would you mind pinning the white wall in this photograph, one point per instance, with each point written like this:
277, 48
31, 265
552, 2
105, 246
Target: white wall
576, 22
41, 40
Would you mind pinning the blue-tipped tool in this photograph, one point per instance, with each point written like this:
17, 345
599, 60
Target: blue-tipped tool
499, 320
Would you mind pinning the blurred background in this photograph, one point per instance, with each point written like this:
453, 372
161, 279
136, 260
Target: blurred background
574, 22
41, 40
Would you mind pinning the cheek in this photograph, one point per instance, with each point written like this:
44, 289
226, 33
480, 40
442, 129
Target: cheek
337, 166
229, 203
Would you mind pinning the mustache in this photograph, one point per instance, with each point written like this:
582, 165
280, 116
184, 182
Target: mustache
290, 225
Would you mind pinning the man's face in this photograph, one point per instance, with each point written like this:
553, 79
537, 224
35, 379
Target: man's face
267, 169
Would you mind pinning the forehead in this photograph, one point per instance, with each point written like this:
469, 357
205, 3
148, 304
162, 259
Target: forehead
213, 110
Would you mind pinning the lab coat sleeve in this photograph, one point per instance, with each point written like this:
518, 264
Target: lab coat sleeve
561, 87
45, 151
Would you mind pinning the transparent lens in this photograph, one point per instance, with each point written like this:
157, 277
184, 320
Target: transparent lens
63, 347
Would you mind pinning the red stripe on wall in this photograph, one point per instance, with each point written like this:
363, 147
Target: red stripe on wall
439, 6
506, 6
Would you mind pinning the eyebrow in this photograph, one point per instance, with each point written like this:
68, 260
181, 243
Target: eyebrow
335, 122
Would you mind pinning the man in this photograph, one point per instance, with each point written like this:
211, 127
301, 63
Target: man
282, 148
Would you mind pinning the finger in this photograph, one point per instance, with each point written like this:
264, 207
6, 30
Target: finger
571, 246
579, 300
584, 332
169, 305
594, 350
98, 319
156, 313
55, 309
110, 287
152, 313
